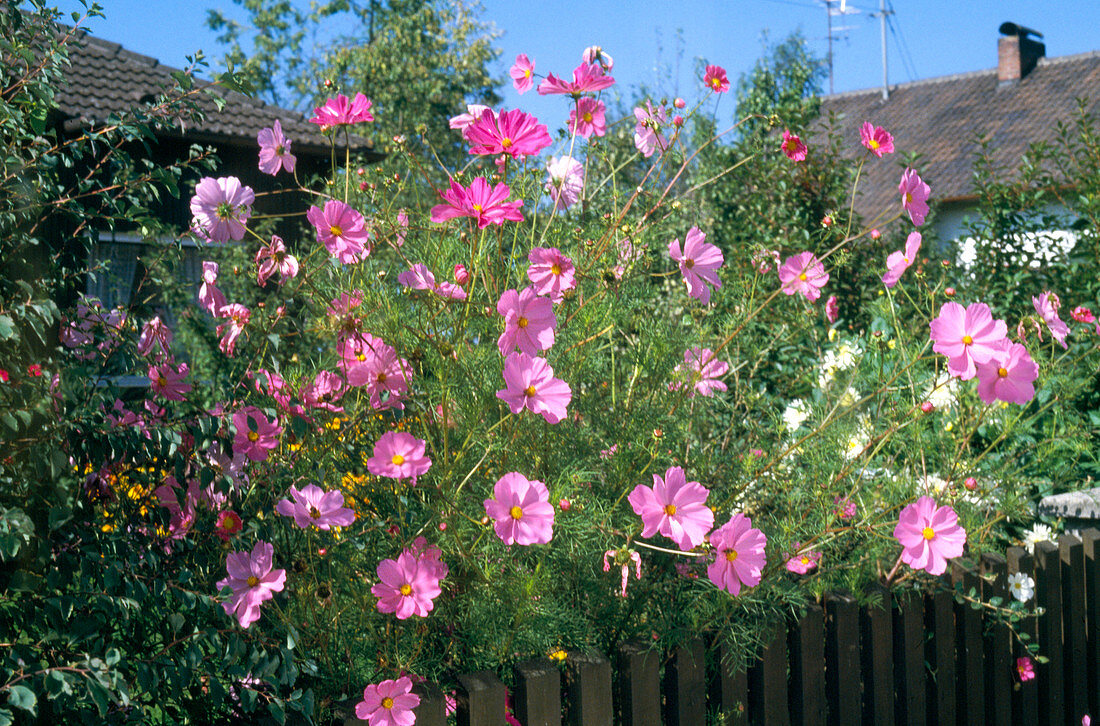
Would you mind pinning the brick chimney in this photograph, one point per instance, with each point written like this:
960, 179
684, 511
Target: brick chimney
1017, 52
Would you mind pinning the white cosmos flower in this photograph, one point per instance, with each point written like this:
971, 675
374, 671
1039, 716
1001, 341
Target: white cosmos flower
1021, 586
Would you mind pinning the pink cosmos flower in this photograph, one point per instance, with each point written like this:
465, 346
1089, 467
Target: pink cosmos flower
462, 121
407, 586
513, 133
522, 510
211, 298
156, 339
481, 202
1025, 669
876, 139
1008, 376
738, 555
564, 181
389, 703
674, 507
1047, 305
763, 260
716, 79
647, 131
402, 227
793, 147
587, 78
898, 262
803, 273
929, 536
228, 524
699, 372
182, 517
168, 381
802, 563
370, 362
275, 150
272, 258
530, 384
522, 73
967, 336
399, 455
256, 434
529, 322
340, 111
326, 389
698, 262
237, 316
252, 580
596, 54
628, 557
587, 118
832, 309
221, 208
550, 272
312, 506
626, 255
845, 508
1082, 314
429, 556
342, 230
914, 196
419, 277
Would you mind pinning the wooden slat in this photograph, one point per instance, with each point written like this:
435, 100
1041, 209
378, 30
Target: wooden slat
733, 687
1050, 675
877, 644
685, 685
1072, 554
1025, 699
806, 643
842, 670
911, 704
970, 693
768, 683
1091, 540
589, 691
940, 620
998, 646
538, 693
480, 699
639, 686
432, 710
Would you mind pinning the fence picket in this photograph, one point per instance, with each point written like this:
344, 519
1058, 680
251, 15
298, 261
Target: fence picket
589, 690
806, 642
940, 620
1091, 539
911, 704
639, 686
877, 645
685, 685
842, 670
733, 686
1050, 675
1072, 554
768, 683
970, 664
1025, 699
480, 699
998, 647
538, 693
432, 708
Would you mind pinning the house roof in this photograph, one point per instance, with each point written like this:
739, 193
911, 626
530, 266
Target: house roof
105, 78
940, 118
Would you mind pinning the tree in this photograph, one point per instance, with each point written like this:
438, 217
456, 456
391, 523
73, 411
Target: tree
419, 61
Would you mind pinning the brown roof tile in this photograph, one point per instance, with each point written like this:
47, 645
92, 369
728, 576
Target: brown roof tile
940, 117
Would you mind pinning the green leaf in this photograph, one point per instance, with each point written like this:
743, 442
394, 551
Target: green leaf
23, 581
59, 515
277, 710
6, 719
56, 684
7, 327
23, 698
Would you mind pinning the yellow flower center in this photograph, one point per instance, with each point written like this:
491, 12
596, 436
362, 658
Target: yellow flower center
928, 533
314, 513
381, 377
522, 322
670, 509
336, 231
716, 82
802, 277
529, 391
587, 117
555, 269
253, 436
731, 555
387, 702
874, 144
908, 198
279, 150
515, 513
805, 560
406, 589
527, 73
505, 143
1002, 373
162, 381
360, 356
398, 459
253, 581
477, 208
689, 263
967, 340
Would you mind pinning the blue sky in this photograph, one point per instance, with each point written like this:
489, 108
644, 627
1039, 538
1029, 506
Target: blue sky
927, 37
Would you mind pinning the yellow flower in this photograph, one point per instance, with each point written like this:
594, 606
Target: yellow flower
559, 655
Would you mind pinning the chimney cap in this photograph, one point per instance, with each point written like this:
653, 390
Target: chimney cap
1018, 30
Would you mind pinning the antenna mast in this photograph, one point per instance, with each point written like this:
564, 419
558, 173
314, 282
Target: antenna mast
881, 14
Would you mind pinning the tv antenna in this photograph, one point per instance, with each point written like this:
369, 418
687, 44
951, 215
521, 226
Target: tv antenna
838, 8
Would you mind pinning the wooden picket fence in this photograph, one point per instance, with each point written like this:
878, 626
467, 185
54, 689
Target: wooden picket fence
913, 660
